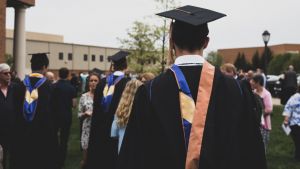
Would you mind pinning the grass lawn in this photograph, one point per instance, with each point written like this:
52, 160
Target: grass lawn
281, 147
279, 155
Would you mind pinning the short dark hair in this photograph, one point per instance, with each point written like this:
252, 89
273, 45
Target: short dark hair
258, 79
120, 65
189, 37
38, 61
63, 73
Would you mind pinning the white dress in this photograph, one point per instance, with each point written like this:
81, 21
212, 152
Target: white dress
85, 104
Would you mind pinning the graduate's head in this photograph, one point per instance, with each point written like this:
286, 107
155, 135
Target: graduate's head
39, 62
189, 31
189, 37
119, 61
63, 73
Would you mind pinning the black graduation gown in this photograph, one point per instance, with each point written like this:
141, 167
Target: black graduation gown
34, 143
103, 150
7, 116
154, 136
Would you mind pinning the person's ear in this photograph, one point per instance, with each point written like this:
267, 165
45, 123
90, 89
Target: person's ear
206, 43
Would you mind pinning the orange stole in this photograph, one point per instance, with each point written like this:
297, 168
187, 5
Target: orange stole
203, 98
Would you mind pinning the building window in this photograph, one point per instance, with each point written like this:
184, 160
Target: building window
101, 58
85, 57
70, 56
93, 58
61, 56
108, 59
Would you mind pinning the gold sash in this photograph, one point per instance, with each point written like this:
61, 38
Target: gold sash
199, 119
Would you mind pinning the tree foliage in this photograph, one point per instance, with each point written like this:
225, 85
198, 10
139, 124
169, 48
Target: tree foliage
241, 63
9, 60
214, 58
141, 41
256, 61
164, 5
281, 62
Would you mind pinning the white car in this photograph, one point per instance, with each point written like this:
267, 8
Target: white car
272, 78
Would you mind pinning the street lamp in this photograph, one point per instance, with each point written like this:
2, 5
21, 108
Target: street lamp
266, 37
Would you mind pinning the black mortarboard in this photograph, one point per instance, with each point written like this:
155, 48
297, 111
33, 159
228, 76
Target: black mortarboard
98, 71
119, 56
192, 15
39, 60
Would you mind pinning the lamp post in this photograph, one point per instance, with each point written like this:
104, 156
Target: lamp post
266, 37
163, 62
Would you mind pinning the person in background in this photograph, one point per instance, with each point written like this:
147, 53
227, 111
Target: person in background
85, 110
7, 114
261, 72
229, 70
289, 84
83, 78
14, 77
257, 84
123, 111
75, 82
241, 74
291, 115
50, 76
145, 77
64, 99
249, 75
34, 141
103, 150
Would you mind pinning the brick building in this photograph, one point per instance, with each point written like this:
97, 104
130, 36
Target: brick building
230, 55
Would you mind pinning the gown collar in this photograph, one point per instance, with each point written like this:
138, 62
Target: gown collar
189, 60
119, 73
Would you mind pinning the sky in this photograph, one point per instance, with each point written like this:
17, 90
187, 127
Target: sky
102, 22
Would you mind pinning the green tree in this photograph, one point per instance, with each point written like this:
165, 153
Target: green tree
214, 58
245, 65
9, 60
164, 5
237, 62
141, 41
241, 62
256, 61
295, 61
279, 63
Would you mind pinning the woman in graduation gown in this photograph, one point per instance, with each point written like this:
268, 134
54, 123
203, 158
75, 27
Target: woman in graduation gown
192, 116
34, 142
103, 150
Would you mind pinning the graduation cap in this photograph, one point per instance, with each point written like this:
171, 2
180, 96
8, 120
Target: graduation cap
98, 71
119, 60
192, 15
119, 56
38, 60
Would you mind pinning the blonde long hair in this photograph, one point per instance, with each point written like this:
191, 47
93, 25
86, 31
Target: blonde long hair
126, 102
